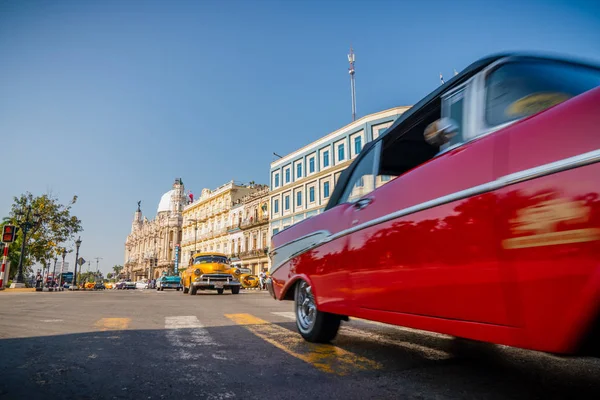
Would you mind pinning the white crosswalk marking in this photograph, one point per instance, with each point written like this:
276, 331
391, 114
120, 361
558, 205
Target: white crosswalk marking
285, 314
187, 333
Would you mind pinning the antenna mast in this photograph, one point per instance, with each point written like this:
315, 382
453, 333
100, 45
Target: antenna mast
97, 261
351, 59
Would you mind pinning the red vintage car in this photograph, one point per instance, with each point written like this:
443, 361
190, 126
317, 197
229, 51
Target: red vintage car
476, 214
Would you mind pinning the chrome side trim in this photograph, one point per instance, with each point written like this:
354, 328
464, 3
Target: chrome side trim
286, 252
507, 180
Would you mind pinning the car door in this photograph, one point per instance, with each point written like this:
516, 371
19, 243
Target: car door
423, 244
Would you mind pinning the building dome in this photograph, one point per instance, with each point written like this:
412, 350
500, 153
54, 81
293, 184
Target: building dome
165, 202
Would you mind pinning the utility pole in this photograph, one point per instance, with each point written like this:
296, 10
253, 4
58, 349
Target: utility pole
351, 59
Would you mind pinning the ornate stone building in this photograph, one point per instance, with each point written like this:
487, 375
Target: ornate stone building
249, 230
150, 248
205, 226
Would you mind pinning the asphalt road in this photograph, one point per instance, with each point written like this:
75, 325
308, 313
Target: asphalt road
145, 344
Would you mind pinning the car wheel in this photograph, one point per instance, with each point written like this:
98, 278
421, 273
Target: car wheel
314, 325
220, 291
162, 289
185, 290
193, 290
235, 290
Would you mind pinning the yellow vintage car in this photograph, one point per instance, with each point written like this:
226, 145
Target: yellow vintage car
210, 271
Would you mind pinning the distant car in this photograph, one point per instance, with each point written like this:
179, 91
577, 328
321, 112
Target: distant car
99, 286
141, 285
129, 285
476, 214
168, 282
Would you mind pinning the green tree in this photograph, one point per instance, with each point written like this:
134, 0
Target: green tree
56, 225
117, 269
109, 275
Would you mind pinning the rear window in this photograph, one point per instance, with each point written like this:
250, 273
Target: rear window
520, 89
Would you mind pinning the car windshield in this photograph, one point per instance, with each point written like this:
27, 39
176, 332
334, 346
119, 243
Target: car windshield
519, 89
210, 259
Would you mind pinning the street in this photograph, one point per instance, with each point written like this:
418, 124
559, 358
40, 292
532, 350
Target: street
146, 344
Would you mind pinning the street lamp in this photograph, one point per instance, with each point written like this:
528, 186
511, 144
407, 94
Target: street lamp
77, 244
26, 224
54, 272
195, 221
62, 268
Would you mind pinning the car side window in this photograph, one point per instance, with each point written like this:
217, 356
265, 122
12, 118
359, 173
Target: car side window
453, 107
362, 180
517, 90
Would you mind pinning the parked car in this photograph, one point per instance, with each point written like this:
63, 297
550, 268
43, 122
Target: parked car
476, 214
99, 286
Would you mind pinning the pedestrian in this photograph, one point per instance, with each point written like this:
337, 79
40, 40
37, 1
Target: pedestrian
262, 277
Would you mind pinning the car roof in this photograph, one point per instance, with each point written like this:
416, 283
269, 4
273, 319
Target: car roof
209, 254
397, 129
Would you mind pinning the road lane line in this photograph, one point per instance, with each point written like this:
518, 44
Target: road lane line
324, 357
427, 352
112, 324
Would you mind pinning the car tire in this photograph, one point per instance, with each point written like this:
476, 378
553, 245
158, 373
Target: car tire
235, 290
220, 291
314, 325
162, 289
185, 290
193, 290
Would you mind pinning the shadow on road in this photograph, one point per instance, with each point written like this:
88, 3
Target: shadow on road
231, 362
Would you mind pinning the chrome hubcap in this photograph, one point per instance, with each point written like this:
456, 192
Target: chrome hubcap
306, 309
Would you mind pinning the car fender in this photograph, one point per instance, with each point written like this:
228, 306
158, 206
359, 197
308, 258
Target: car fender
287, 292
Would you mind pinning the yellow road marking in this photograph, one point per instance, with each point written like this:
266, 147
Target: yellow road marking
112, 324
324, 357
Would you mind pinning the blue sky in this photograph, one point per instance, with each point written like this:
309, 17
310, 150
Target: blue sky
112, 100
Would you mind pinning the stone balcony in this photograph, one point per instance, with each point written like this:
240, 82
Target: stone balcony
252, 253
250, 222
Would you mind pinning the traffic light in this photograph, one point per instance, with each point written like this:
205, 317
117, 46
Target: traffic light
8, 233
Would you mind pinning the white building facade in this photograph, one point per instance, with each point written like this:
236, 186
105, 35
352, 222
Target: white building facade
302, 181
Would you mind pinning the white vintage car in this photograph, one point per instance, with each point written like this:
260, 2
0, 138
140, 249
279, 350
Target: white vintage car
141, 284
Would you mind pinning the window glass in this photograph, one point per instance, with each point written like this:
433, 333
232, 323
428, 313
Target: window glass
383, 179
519, 89
287, 202
357, 144
453, 108
326, 190
210, 259
299, 199
276, 180
299, 171
287, 175
341, 152
311, 165
276, 206
362, 180
311, 194
326, 158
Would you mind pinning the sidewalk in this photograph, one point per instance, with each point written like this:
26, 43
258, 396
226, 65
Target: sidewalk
21, 290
